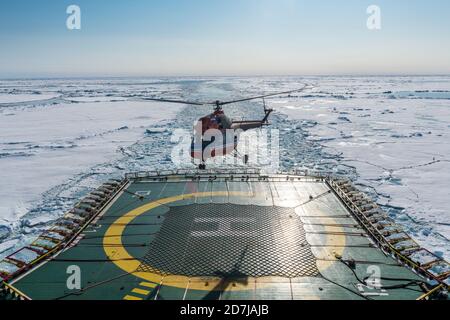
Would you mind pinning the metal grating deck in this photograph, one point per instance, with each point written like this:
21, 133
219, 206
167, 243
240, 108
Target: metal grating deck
231, 240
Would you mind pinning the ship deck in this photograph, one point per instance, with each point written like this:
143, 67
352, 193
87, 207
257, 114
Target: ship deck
222, 237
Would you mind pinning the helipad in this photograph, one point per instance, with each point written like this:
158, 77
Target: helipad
223, 236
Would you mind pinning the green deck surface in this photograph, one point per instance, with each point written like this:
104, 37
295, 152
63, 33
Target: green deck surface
330, 233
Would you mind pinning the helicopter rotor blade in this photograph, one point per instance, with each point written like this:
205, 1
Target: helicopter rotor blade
218, 103
177, 101
263, 96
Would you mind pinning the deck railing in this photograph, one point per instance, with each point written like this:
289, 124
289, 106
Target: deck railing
8, 290
384, 244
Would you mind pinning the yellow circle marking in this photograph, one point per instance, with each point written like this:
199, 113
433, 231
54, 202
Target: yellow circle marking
116, 252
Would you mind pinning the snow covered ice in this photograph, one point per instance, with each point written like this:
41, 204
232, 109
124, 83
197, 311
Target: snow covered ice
61, 138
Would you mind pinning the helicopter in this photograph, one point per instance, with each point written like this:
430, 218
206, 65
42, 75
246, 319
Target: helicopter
216, 134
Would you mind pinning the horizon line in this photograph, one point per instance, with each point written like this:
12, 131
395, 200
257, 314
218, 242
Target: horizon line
221, 76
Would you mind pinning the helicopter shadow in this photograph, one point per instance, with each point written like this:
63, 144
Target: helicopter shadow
230, 278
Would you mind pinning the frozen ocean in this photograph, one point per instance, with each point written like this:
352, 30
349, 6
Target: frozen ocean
61, 138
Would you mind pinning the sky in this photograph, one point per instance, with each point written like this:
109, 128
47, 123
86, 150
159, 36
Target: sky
223, 37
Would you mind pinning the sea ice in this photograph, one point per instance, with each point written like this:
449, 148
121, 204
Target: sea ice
61, 138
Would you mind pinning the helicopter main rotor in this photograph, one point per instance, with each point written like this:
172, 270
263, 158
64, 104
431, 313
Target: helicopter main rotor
218, 104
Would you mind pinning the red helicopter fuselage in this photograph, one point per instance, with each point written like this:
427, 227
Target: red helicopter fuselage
213, 136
